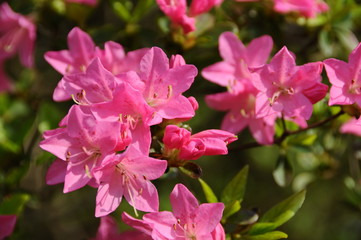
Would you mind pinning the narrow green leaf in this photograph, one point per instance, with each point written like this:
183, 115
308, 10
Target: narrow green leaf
235, 188
279, 214
14, 204
208, 192
267, 236
141, 10
121, 11
231, 209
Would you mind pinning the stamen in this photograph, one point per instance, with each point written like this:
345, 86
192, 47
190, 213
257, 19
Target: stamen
132, 200
170, 91
87, 171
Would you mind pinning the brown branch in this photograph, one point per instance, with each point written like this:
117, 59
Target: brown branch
287, 133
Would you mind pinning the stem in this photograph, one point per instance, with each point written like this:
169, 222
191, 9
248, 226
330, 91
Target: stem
287, 133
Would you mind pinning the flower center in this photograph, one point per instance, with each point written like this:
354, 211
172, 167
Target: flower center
355, 88
282, 90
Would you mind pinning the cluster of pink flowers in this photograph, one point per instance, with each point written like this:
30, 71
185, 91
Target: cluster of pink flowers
105, 139
259, 93
185, 18
17, 36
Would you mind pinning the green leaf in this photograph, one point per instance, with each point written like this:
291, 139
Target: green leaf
208, 192
121, 11
347, 38
279, 214
141, 10
235, 189
231, 209
267, 236
14, 204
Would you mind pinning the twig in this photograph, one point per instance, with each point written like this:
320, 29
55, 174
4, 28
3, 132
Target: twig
287, 133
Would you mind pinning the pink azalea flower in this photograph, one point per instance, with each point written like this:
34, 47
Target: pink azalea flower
7, 225
241, 113
108, 230
84, 143
237, 58
306, 8
82, 51
189, 220
180, 145
17, 35
128, 175
233, 73
162, 85
345, 79
282, 84
86, 2
178, 13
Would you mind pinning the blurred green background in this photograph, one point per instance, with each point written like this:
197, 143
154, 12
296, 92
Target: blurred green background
322, 160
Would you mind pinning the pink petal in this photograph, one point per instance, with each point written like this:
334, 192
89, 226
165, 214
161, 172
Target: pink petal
283, 63
231, 48
176, 107
57, 145
218, 233
163, 223
108, 197
183, 202
221, 73
234, 123
261, 131
142, 194
140, 225
108, 229
338, 96
201, 6
7, 225
316, 93
56, 172
208, 216
338, 72
258, 51
81, 45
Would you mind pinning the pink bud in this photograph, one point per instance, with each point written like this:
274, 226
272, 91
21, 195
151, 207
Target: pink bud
193, 149
174, 136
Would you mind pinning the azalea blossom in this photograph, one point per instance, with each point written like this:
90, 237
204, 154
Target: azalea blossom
345, 79
128, 175
162, 83
17, 35
7, 225
239, 99
180, 145
108, 230
189, 220
83, 144
82, 51
285, 88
